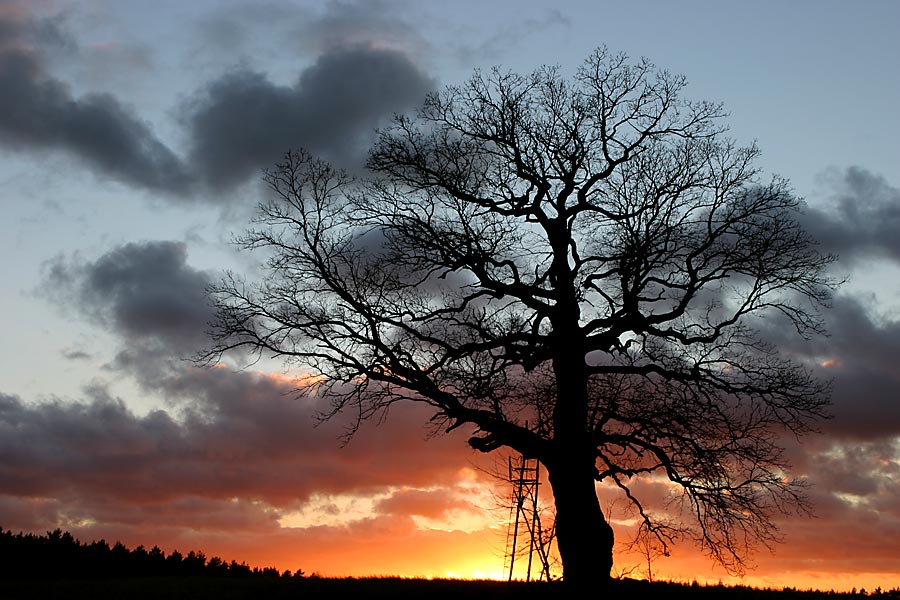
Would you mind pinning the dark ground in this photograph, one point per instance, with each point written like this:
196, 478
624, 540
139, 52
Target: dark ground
273, 588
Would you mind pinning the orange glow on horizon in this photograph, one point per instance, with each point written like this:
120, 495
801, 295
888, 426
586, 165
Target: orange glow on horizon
478, 556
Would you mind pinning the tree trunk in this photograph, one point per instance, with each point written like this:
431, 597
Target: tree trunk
584, 538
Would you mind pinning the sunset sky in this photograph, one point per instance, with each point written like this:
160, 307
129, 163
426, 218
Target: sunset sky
133, 135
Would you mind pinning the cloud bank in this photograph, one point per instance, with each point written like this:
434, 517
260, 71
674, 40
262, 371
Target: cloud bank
143, 292
860, 219
40, 113
235, 125
243, 123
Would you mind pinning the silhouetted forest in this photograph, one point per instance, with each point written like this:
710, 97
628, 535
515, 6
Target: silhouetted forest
58, 555
57, 565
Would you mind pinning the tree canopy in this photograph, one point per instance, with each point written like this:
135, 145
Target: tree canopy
576, 267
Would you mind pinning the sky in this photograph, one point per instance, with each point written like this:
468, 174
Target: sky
133, 136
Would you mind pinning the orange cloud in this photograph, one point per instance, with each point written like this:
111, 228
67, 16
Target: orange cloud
243, 473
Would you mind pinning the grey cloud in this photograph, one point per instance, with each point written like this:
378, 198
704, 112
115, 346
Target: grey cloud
510, 37
236, 126
145, 292
243, 123
866, 405
860, 469
250, 436
347, 24
861, 219
75, 354
50, 32
857, 338
38, 112
250, 30
263, 416
859, 355
853, 485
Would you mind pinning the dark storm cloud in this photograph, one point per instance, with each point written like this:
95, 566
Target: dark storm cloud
858, 221
145, 292
867, 470
250, 437
859, 356
853, 491
861, 218
38, 112
243, 123
237, 125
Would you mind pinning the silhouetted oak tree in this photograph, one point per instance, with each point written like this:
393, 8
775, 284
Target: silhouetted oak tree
576, 268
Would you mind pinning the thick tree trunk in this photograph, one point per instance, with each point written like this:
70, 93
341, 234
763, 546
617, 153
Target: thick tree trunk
584, 538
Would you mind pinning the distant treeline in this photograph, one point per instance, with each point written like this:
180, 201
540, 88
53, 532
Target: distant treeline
58, 555
58, 565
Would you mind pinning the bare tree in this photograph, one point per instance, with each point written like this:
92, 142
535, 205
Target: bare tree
574, 267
